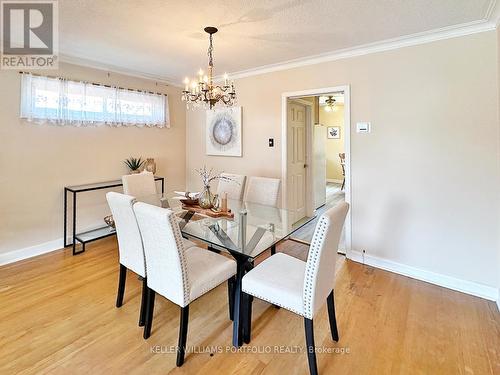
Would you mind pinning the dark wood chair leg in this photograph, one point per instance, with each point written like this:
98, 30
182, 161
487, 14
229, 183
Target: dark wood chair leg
273, 249
144, 301
311, 348
150, 306
331, 315
121, 285
183, 329
247, 318
343, 184
230, 295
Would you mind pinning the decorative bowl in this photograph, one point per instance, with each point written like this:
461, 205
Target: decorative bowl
189, 201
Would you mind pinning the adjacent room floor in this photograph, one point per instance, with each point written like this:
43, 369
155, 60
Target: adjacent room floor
57, 316
333, 196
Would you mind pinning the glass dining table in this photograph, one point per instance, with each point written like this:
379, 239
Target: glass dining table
254, 229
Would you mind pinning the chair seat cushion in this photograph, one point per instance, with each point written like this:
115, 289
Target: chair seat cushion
187, 243
207, 270
278, 280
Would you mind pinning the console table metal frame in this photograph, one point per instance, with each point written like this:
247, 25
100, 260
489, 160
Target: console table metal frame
98, 231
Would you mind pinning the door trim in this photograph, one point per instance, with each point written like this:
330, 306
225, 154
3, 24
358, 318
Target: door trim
347, 148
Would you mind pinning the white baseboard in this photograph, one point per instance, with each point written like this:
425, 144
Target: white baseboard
333, 180
31, 251
464, 286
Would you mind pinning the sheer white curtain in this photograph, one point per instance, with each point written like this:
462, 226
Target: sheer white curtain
64, 102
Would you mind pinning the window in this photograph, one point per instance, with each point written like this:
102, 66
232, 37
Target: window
56, 100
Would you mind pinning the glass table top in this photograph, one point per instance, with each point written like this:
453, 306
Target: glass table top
254, 228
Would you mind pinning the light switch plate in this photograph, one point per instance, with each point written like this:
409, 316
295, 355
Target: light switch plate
363, 127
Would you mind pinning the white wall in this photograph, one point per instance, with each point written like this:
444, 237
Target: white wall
425, 182
37, 161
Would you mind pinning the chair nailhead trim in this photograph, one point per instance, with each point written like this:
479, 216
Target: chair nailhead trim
312, 265
186, 286
274, 303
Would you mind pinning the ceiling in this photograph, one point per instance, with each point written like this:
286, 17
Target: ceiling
165, 38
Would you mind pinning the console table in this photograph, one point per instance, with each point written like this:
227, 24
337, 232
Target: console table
94, 234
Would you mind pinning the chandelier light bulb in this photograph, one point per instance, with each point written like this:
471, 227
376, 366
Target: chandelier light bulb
328, 108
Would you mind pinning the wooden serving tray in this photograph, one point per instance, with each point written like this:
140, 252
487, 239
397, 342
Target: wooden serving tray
207, 211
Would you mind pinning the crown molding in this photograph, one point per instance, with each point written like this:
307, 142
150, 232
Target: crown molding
381, 46
493, 13
81, 61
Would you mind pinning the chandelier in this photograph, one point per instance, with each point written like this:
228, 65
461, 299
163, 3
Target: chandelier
330, 104
202, 91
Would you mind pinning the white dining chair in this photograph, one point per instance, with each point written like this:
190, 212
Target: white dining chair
139, 184
130, 248
130, 251
298, 286
234, 187
262, 190
178, 274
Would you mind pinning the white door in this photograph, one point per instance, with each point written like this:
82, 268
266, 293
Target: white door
296, 158
319, 165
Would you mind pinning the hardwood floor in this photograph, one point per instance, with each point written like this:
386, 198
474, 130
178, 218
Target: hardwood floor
57, 316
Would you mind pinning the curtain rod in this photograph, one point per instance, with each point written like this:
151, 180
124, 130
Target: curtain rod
92, 83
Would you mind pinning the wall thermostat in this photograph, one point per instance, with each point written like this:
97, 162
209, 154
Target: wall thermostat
363, 127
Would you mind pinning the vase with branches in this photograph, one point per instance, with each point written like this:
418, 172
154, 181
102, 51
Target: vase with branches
206, 198
134, 164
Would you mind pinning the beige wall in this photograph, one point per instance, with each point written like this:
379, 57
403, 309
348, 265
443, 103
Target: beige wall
333, 146
37, 161
425, 181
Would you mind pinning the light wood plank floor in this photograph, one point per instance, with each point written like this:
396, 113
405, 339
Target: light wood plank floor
57, 316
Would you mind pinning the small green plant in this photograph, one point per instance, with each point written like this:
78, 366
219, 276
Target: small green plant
134, 163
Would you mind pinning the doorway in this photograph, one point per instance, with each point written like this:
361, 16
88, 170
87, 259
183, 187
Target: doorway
316, 155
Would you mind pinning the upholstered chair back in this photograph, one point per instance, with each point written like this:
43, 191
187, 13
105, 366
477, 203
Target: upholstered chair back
320, 267
262, 190
130, 248
139, 185
233, 188
163, 246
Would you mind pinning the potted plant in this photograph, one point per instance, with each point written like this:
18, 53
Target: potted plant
134, 164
